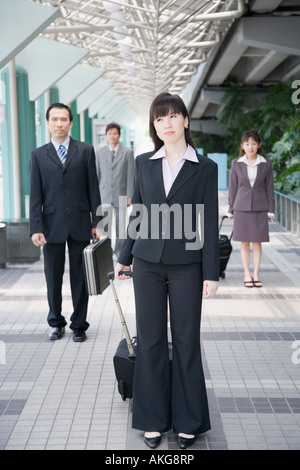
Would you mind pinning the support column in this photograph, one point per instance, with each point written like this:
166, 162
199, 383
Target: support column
13, 100
47, 96
88, 128
7, 171
82, 127
18, 140
75, 131
27, 136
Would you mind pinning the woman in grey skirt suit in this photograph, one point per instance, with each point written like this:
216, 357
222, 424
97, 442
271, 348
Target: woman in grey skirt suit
251, 202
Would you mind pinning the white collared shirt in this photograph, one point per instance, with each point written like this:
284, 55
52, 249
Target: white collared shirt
252, 169
65, 143
169, 175
115, 149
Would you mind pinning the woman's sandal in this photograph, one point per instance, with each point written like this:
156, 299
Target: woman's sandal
257, 283
246, 283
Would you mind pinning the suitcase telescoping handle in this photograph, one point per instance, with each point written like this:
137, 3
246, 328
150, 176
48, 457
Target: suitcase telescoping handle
123, 321
222, 220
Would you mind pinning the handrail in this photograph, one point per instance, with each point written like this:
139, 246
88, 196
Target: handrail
288, 197
287, 212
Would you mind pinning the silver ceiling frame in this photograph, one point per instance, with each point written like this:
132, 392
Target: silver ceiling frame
144, 46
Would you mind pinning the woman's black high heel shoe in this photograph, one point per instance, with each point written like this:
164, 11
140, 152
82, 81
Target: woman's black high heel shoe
185, 442
152, 442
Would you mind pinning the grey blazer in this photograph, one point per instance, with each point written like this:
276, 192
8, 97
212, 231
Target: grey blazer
115, 179
243, 197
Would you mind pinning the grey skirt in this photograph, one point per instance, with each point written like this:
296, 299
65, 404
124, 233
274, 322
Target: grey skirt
250, 227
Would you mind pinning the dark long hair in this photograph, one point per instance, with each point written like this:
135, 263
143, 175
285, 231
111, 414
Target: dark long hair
162, 105
255, 136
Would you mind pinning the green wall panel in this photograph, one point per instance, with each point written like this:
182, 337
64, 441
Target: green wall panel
88, 128
27, 138
27, 141
76, 122
7, 169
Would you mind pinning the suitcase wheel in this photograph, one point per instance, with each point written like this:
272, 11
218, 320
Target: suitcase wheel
121, 388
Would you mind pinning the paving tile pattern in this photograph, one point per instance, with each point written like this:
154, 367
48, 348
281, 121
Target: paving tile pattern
63, 396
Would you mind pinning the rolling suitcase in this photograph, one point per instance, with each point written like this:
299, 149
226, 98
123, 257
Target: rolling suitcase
225, 248
124, 358
97, 261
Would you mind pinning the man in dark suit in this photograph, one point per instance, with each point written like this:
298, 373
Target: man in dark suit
64, 196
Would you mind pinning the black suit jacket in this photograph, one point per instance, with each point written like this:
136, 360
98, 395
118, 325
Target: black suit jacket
160, 228
63, 200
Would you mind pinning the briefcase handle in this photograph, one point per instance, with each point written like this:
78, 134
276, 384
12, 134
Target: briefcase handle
95, 239
111, 275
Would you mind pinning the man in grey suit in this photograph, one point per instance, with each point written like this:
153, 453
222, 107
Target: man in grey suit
115, 171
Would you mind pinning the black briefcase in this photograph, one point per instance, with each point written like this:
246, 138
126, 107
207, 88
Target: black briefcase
97, 261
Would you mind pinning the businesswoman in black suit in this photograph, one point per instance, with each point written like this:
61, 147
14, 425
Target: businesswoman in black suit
172, 265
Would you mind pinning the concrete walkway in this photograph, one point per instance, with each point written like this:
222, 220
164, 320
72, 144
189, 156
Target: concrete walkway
63, 395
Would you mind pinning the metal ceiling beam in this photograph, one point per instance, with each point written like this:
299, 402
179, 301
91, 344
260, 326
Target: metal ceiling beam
122, 4
275, 33
167, 41
265, 66
78, 28
264, 6
224, 14
88, 28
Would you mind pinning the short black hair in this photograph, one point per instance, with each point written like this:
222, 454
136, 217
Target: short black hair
161, 106
60, 106
113, 125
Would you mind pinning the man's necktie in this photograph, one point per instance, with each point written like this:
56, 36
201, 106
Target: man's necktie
113, 154
62, 153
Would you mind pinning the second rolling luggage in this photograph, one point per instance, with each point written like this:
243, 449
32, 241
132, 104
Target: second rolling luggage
225, 248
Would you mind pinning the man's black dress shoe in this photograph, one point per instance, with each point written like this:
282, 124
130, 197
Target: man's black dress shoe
79, 336
152, 442
185, 442
56, 333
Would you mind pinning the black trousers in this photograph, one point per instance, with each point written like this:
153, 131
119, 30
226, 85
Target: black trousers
54, 266
158, 402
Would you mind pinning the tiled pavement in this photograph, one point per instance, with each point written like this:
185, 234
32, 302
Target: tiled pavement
63, 395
